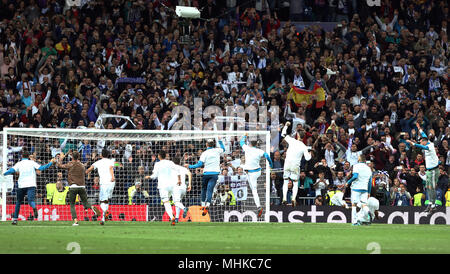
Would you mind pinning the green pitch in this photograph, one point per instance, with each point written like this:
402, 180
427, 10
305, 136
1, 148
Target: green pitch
220, 238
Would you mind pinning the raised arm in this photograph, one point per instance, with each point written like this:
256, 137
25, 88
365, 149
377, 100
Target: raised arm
418, 145
59, 163
197, 165
189, 174
268, 159
340, 146
221, 145
284, 130
242, 142
352, 179
111, 170
9, 171
366, 149
89, 169
422, 133
49, 164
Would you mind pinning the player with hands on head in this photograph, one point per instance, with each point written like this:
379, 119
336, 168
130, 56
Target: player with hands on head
295, 152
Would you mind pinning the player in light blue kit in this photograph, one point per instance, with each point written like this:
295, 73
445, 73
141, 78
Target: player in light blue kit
26, 182
252, 166
210, 161
432, 165
360, 185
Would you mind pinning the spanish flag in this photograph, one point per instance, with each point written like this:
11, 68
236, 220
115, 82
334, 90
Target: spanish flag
302, 95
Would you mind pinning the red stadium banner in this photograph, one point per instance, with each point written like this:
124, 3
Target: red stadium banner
62, 212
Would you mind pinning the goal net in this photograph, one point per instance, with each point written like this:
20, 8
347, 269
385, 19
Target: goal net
134, 198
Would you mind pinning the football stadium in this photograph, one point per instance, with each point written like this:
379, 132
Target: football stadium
224, 127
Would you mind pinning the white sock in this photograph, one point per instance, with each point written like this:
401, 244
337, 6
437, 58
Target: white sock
180, 205
104, 207
256, 197
207, 204
294, 191
354, 218
366, 212
168, 210
362, 214
285, 189
203, 204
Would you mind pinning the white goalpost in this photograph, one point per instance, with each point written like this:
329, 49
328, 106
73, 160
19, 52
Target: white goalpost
135, 197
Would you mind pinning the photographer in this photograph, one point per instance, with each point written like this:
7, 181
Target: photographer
401, 196
224, 196
137, 195
380, 191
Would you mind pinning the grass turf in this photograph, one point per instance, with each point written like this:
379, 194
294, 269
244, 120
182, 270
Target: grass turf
221, 238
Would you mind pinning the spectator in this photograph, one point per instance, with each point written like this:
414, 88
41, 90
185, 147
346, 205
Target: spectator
419, 197
318, 201
401, 196
276, 183
305, 184
339, 180
382, 71
447, 197
60, 196
137, 195
442, 185
321, 184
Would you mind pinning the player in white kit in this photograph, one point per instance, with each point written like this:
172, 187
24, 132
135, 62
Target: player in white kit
338, 199
369, 212
360, 184
105, 168
168, 176
294, 154
252, 166
180, 190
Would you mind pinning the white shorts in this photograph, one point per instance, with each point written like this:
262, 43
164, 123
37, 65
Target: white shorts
338, 199
106, 192
253, 178
165, 193
178, 193
359, 198
291, 172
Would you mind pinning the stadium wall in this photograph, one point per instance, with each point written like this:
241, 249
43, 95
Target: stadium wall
318, 214
280, 214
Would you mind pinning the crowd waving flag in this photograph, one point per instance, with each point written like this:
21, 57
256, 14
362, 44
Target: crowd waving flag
302, 95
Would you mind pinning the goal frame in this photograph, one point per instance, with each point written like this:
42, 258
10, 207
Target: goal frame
213, 133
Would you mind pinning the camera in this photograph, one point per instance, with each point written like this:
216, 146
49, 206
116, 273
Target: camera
187, 12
